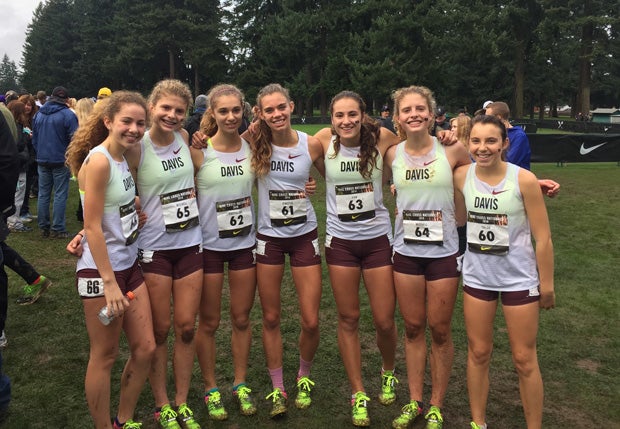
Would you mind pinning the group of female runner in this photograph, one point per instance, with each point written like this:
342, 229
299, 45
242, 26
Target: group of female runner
196, 212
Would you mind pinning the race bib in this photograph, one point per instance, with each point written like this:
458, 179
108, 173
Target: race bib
423, 227
129, 222
287, 208
355, 202
487, 233
90, 288
180, 210
234, 217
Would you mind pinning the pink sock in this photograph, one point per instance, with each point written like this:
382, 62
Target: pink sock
277, 380
304, 368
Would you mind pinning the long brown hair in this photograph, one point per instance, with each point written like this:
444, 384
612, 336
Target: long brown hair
261, 148
29, 99
18, 109
208, 126
369, 135
93, 132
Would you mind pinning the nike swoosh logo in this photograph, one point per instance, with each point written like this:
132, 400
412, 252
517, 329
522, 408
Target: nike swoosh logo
236, 232
485, 248
242, 159
177, 151
293, 156
498, 192
183, 225
586, 150
430, 162
355, 216
287, 221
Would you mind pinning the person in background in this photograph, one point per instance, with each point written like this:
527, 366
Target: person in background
385, 120
18, 110
107, 271
41, 98
83, 108
502, 263
52, 130
460, 126
441, 122
519, 151
31, 169
192, 123
103, 92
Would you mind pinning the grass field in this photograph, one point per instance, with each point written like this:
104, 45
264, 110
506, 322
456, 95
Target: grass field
579, 341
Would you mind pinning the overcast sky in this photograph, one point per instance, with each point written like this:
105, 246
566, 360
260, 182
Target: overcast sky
16, 15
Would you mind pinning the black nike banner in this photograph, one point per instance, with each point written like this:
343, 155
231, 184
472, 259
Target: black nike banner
575, 147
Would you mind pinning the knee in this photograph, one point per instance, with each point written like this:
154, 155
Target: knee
480, 355
143, 353
385, 327
161, 334
525, 362
104, 359
310, 325
271, 321
186, 334
241, 322
208, 325
414, 330
349, 322
441, 334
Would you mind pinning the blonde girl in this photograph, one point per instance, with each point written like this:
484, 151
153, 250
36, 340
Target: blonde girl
224, 181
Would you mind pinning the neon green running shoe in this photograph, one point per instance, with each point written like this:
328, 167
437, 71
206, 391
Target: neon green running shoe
32, 292
387, 395
278, 407
304, 386
434, 419
407, 415
246, 403
167, 418
475, 426
359, 410
215, 406
186, 417
130, 424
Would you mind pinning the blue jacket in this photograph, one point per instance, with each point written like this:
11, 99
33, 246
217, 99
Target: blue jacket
52, 129
519, 151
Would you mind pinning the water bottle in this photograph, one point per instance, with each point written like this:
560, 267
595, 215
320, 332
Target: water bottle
103, 313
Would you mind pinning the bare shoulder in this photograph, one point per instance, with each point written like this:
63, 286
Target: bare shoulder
457, 154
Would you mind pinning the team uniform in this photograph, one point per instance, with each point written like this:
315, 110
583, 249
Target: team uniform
425, 235
500, 256
170, 241
224, 186
120, 229
286, 219
358, 224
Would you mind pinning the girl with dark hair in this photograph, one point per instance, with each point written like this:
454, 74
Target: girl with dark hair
358, 240
501, 262
108, 271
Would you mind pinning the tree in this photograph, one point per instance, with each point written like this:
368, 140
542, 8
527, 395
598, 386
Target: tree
9, 76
